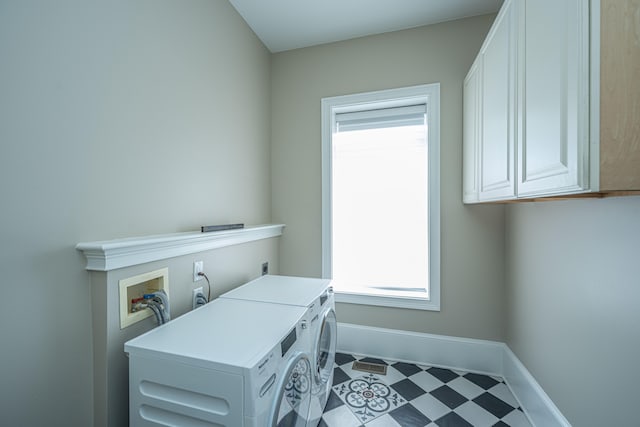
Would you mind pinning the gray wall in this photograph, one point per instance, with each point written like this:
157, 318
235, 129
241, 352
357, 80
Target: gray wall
117, 118
572, 298
472, 237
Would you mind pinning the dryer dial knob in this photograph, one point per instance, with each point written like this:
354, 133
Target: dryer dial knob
303, 324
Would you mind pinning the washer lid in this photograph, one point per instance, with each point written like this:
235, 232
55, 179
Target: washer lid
300, 291
228, 332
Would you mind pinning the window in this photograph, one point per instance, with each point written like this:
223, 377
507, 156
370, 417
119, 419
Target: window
381, 197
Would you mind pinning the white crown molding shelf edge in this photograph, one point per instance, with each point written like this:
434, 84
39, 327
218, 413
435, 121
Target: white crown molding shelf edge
113, 254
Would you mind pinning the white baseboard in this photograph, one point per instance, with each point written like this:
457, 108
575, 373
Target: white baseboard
437, 350
539, 407
487, 357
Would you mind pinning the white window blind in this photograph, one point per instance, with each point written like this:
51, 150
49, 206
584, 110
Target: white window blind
381, 118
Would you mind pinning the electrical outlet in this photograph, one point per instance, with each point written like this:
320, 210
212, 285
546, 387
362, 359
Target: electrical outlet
194, 295
198, 267
265, 268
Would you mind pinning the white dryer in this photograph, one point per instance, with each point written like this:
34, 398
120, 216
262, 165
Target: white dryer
316, 295
229, 363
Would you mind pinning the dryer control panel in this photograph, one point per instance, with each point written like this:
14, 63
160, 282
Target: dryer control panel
288, 342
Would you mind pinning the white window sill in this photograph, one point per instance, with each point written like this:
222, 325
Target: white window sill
418, 302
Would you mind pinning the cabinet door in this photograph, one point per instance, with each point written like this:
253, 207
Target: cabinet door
471, 132
497, 141
553, 152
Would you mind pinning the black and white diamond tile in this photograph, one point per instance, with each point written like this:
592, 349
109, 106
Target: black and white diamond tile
417, 396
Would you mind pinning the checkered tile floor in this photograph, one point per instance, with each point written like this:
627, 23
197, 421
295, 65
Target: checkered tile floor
417, 396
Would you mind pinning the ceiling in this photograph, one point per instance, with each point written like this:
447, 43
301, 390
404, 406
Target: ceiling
291, 24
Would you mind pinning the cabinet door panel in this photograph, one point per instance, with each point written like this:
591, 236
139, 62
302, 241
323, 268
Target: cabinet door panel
498, 107
553, 145
471, 133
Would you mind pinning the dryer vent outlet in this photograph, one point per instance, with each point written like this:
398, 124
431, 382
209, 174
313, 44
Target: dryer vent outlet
373, 368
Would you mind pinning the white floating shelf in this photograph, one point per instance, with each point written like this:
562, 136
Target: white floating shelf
113, 254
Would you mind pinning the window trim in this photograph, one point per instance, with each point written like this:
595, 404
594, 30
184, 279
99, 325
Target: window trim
428, 94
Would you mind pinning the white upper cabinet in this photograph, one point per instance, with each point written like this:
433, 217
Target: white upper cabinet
489, 115
497, 178
553, 149
556, 110
471, 133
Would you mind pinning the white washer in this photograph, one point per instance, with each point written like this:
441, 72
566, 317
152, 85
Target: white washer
317, 296
230, 363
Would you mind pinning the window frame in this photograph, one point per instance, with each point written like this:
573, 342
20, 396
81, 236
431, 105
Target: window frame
428, 94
